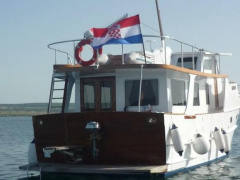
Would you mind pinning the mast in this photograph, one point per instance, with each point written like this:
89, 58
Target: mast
161, 29
159, 21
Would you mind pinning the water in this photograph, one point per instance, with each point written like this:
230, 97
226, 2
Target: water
16, 133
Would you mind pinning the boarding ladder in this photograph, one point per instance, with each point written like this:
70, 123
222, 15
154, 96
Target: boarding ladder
58, 92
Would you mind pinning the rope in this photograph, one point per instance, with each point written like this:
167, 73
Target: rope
150, 27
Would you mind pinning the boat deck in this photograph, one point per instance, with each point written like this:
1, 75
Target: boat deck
88, 70
95, 169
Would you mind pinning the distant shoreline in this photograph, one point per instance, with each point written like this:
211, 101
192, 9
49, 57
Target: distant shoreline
26, 109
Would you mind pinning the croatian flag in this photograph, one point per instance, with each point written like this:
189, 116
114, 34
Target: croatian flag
125, 31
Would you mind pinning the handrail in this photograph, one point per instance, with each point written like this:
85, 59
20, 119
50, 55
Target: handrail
151, 36
57, 50
60, 42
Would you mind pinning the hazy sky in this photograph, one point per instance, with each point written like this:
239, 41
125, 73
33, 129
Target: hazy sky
28, 26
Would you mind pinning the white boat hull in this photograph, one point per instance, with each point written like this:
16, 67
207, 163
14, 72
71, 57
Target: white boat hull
189, 127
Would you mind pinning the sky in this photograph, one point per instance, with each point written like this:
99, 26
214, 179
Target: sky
28, 26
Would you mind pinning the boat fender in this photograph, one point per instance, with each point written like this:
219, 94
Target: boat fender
103, 59
218, 138
32, 154
79, 49
227, 142
177, 139
201, 145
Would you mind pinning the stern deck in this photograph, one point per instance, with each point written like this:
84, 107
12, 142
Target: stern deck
95, 169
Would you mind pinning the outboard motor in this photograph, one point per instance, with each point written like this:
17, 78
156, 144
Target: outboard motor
93, 128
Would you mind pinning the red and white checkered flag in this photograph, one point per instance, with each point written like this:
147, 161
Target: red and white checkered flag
114, 32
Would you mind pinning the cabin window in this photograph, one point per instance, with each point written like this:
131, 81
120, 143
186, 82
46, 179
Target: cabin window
207, 94
234, 87
106, 98
178, 92
89, 95
196, 95
149, 93
98, 94
207, 65
187, 62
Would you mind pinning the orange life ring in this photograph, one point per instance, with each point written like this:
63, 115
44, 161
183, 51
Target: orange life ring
79, 49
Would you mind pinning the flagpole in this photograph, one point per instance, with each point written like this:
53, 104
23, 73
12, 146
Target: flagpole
122, 55
144, 53
140, 89
143, 45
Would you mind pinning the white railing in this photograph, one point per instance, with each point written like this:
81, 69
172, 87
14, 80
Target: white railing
64, 52
69, 55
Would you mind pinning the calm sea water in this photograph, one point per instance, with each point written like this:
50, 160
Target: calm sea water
16, 133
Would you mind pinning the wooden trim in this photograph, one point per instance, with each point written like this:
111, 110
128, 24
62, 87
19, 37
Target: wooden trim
63, 66
112, 68
189, 71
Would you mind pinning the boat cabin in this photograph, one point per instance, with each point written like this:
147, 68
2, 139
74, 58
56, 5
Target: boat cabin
171, 82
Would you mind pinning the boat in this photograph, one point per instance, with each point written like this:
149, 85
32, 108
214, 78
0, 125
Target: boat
157, 112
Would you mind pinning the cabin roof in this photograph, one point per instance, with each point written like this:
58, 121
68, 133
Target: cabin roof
90, 70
